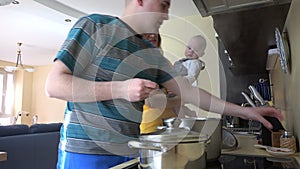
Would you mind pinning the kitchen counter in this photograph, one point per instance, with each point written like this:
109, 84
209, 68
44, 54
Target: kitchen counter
246, 147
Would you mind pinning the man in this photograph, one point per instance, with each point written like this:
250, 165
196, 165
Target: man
105, 70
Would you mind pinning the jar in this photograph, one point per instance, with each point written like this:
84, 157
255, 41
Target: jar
287, 140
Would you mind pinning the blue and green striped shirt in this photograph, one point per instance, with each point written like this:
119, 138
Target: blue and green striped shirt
104, 48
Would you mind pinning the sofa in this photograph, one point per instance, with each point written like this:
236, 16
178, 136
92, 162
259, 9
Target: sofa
30, 147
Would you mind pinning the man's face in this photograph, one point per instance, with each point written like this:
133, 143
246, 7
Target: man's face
156, 11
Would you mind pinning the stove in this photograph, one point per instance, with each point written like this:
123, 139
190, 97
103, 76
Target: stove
244, 162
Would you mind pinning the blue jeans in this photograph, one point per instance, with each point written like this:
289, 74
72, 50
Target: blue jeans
69, 160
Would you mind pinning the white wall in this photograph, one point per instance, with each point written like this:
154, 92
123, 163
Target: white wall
175, 35
47, 109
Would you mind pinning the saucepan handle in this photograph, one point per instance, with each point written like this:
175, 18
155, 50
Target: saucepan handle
140, 145
208, 141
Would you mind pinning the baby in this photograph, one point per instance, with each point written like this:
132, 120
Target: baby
191, 65
154, 116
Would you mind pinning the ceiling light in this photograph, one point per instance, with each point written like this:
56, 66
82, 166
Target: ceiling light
19, 65
15, 2
68, 20
5, 2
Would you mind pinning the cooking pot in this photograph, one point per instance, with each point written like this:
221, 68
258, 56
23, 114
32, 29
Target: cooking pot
212, 127
170, 148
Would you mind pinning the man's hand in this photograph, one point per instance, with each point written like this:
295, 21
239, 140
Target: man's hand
258, 113
157, 99
137, 89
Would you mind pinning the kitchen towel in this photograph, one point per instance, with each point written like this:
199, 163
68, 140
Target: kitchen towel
263, 87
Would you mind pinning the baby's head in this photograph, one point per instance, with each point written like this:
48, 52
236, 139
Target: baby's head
195, 47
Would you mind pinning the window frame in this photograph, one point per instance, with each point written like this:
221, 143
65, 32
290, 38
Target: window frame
6, 117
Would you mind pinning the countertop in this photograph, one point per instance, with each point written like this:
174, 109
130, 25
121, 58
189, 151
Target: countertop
246, 147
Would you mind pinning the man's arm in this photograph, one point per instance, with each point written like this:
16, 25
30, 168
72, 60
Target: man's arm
61, 84
201, 98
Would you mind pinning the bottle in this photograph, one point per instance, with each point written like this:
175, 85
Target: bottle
287, 140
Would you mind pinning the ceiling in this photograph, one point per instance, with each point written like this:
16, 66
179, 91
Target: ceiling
42, 29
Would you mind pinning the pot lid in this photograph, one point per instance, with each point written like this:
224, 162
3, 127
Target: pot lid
199, 119
174, 135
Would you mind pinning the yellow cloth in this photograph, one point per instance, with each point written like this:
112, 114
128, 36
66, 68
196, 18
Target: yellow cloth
153, 117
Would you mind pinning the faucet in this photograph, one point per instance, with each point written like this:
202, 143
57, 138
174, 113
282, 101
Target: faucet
250, 101
252, 125
257, 96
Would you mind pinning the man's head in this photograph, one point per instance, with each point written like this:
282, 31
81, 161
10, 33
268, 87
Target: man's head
146, 16
195, 47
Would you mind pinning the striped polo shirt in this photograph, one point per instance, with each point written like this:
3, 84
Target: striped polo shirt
103, 48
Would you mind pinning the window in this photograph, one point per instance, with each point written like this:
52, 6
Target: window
6, 97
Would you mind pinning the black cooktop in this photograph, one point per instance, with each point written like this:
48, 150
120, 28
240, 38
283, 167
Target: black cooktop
246, 162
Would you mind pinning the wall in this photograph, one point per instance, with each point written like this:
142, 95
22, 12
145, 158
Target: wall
287, 86
26, 96
175, 35
47, 109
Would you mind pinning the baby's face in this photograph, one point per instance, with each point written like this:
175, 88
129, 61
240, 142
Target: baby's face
190, 53
194, 49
